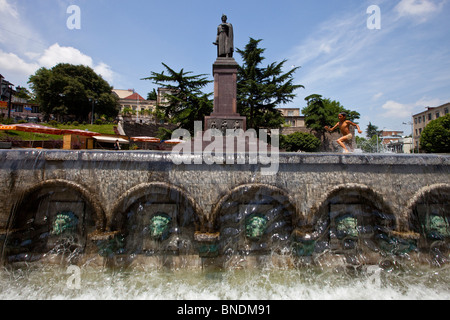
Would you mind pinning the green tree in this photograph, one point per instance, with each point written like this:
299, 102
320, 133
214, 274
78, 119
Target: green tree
300, 141
371, 130
317, 115
321, 112
187, 103
368, 145
260, 90
335, 107
23, 93
152, 95
70, 90
435, 137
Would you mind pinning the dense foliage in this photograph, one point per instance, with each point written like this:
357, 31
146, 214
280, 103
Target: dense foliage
186, 101
300, 141
261, 90
321, 112
71, 91
435, 137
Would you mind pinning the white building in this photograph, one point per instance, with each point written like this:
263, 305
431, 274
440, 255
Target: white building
134, 103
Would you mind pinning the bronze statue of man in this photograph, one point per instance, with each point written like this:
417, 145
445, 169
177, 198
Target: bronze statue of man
225, 39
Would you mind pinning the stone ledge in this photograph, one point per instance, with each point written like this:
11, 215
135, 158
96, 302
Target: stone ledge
164, 157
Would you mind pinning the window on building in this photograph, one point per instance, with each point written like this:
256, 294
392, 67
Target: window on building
437, 115
446, 110
290, 113
429, 117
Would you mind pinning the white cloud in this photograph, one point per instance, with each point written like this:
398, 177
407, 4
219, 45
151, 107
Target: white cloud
335, 39
9, 16
56, 54
10, 62
16, 33
13, 65
397, 110
32, 55
427, 102
8, 9
377, 96
421, 9
26, 51
105, 71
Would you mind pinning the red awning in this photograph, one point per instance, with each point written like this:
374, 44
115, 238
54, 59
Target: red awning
38, 128
79, 132
146, 139
31, 127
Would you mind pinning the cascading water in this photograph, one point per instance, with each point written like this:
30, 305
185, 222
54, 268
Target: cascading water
253, 245
393, 282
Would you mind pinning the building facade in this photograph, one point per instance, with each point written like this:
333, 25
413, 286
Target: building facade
15, 107
292, 117
132, 102
392, 141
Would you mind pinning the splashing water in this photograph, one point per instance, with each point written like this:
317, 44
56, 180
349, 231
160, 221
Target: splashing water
157, 224
52, 282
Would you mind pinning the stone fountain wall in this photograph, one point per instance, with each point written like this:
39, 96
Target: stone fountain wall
110, 182
110, 179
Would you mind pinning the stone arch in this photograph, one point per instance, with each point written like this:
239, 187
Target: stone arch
425, 192
428, 204
255, 218
136, 211
49, 212
252, 188
363, 191
352, 211
86, 194
141, 190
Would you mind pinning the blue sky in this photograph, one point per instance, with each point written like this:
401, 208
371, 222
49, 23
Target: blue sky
385, 74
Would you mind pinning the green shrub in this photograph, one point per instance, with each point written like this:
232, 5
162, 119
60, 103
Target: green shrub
300, 141
436, 136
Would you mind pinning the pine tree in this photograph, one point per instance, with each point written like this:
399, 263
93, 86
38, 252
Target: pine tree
187, 103
317, 115
261, 90
371, 130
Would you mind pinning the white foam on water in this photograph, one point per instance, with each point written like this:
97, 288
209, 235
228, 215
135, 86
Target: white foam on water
51, 283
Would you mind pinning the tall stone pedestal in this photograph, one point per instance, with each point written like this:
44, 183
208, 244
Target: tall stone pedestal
225, 116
